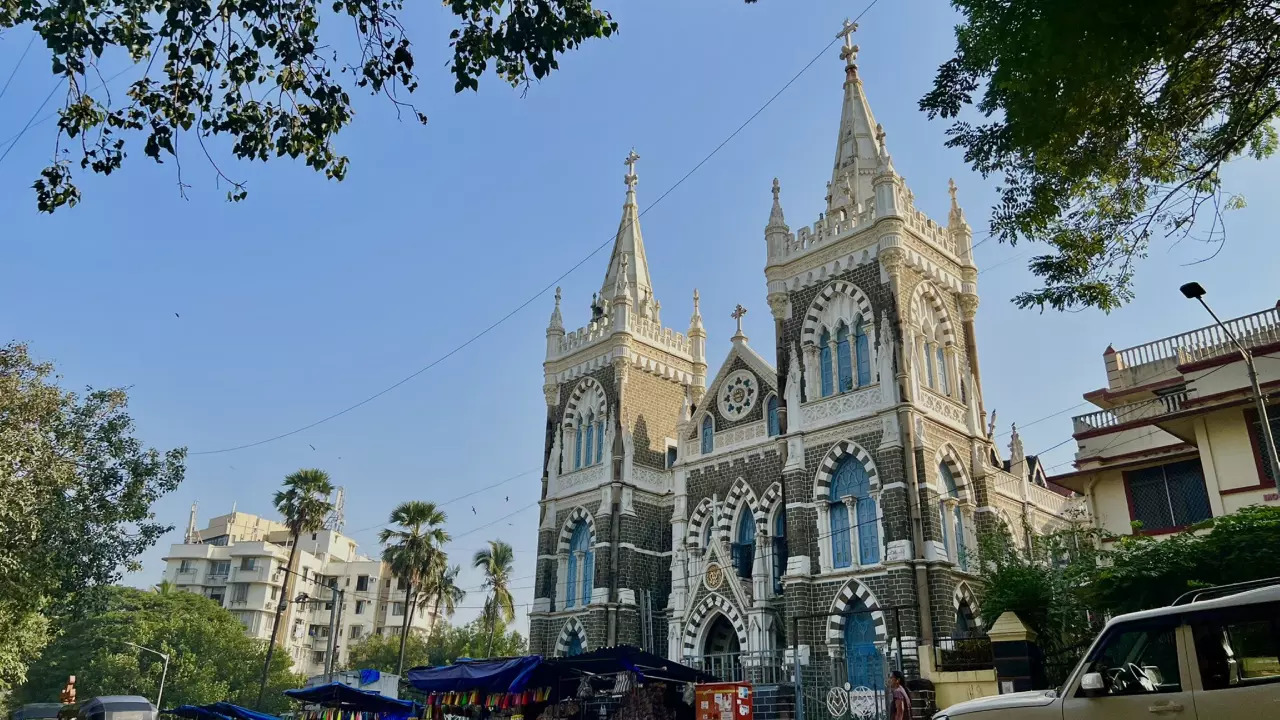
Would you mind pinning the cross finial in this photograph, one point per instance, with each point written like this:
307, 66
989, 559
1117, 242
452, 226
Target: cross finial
557, 296
880, 136
951, 188
737, 314
777, 188
695, 302
630, 162
850, 51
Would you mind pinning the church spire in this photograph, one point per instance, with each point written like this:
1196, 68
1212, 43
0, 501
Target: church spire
629, 244
859, 145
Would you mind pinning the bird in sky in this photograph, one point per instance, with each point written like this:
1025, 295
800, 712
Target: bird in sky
473, 509
508, 498
177, 315
313, 447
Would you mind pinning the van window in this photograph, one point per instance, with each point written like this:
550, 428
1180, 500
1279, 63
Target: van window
1138, 658
1238, 646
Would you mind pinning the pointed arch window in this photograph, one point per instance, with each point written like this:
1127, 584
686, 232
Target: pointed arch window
590, 443
855, 532
863, 661
862, 350
844, 360
771, 415
744, 544
951, 520
575, 645
824, 357
708, 435
580, 568
707, 526
943, 384
600, 440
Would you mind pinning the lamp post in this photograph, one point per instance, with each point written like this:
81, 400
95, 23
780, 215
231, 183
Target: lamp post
163, 673
1194, 291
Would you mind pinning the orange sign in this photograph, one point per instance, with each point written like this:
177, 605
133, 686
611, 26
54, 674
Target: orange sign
724, 701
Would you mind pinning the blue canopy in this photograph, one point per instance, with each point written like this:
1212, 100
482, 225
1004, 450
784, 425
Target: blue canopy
508, 675
195, 712
345, 697
235, 712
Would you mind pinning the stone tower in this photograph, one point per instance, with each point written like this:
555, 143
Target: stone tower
615, 389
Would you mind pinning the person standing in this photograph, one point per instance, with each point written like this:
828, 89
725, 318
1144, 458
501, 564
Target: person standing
901, 700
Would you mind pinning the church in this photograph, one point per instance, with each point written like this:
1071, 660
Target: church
817, 497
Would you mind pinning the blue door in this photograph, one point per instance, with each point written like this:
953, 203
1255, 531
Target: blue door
863, 660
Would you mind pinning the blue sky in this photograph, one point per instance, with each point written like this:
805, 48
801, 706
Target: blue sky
312, 295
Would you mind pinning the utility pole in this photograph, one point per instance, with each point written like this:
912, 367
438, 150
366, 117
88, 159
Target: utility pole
333, 632
164, 673
1194, 291
337, 645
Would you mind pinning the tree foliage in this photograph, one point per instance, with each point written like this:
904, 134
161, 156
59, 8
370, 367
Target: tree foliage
1143, 572
1064, 587
413, 550
1109, 122
446, 644
496, 562
1044, 584
211, 658
76, 490
270, 79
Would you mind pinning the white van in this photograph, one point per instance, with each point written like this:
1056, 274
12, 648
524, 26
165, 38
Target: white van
1206, 659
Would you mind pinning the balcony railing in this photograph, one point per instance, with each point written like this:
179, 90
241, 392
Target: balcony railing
1151, 408
1043, 498
1260, 328
766, 667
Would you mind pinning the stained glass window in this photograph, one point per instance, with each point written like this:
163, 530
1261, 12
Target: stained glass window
771, 408
708, 435
851, 480
844, 363
863, 351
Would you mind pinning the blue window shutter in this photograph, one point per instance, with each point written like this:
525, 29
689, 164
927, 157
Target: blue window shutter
588, 575
842, 550
590, 443
948, 480
575, 646
868, 532
744, 550
708, 435
961, 549
824, 354
942, 525
599, 440
577, 448
844, 363
943, 384
571, 582
706, 531
772, 408
928, 363
863, 660
863, 351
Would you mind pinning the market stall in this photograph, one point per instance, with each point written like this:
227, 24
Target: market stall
217, 711
337, 701
619, 683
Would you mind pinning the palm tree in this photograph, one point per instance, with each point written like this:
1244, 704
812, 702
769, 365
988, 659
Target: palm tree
444, 588
412, 550
496, 562
303, 502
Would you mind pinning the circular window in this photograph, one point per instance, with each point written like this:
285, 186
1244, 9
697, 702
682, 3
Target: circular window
738, 395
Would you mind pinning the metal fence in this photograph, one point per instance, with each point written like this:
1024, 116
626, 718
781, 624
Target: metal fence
1059, 663
958, 654
766, 667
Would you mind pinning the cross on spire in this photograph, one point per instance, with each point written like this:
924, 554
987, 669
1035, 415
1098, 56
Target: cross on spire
737, 314
850, 51
951, 188
630, 162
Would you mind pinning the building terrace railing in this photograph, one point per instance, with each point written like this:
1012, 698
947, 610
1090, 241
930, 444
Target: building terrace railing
958, 654
1043, 498
1260, 328
1150, 408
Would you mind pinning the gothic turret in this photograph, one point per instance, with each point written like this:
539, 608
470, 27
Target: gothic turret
628, 257
555, 328
776, 232
958, 228
698, 349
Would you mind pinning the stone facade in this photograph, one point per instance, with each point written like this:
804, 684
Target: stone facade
832, 506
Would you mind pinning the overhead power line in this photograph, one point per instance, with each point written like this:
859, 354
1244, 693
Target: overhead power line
546, 288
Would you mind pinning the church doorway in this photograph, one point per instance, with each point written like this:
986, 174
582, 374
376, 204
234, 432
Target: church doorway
722, 649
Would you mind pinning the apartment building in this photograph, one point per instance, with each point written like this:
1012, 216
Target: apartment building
239, 561
1177, 439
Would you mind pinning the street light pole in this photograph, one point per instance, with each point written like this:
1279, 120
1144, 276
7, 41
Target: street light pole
164, 673
1194, 291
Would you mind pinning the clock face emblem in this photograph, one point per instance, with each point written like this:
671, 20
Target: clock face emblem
741, 390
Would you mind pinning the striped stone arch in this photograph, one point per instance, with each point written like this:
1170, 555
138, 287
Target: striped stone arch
948, 455
822, 481
566, 530
926, 294
770, 500
572, 627
701, 617
701, 514
588, 394
739, 493
964, 594
842, 602
840, 299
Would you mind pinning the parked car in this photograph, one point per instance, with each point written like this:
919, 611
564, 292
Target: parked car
36, 711
118, 707
1212, 655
